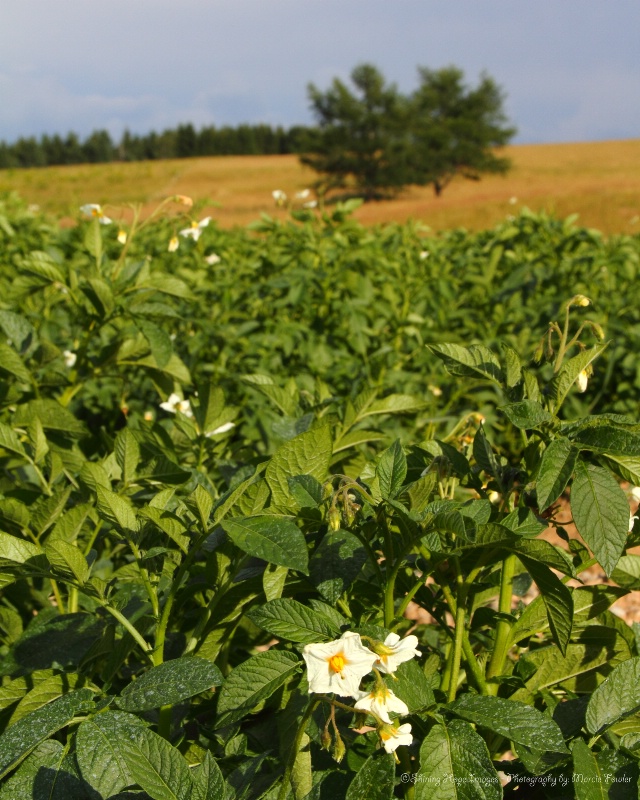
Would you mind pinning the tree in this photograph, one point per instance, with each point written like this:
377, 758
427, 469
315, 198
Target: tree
454, 130
359, 142
376, 141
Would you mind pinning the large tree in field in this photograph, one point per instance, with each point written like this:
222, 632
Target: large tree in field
374, 141
359, 143
455, 130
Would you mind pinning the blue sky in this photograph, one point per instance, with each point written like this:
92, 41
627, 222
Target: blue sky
570, 68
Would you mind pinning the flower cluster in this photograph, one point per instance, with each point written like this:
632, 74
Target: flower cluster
339, 666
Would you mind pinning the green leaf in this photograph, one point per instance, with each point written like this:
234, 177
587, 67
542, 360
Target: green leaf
455, 765
394, 404
608, 439
523, 522
99, 294
93, 239
306, 454
374, 780
9, 441
67, 560
556, 467
517, 722
117, 509
526, 414
20, 739
99, 754
336, 563
588, 781
273, 581
155, 765
274, 539
27, 781
306, 491
557, 599
484, 455
12, 364
476, 361
617, 697
208, 781
52, 416
627, 572
14, 551
391, 470
253, 681
44, 692
127, 452
174, 367
601, 513
159, 341
168, 523
289, 619
203, 502
170, 683
411, 686
569, 371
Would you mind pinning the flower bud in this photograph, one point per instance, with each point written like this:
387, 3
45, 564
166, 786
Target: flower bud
326, 740
184, 200
334, 518
339, 750
582, 380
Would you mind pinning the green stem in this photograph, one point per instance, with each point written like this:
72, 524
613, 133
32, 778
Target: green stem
503, 628
130, 628
164, 722
286, 778
461, 596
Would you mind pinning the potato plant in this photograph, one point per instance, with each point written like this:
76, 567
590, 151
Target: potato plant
226, 482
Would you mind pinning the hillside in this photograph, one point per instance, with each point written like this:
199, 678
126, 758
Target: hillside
598, 180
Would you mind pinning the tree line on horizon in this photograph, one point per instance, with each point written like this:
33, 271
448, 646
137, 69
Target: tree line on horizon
185, 141
369, 139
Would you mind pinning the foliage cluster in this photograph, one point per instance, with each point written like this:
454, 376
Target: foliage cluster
377, 141
222, 460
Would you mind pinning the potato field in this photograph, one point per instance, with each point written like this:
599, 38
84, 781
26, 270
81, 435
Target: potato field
303, 510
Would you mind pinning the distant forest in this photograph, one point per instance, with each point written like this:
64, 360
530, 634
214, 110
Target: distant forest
182, 142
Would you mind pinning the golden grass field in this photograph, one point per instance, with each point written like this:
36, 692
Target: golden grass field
600, 181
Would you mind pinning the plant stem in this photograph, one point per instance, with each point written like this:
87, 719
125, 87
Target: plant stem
503, 628
145, 646
286, 778
461, 596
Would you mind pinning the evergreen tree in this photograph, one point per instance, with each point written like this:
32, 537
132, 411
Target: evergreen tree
454, 130
359, 142
376, 141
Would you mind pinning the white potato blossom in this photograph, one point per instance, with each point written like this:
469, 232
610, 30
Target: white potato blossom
94, 211
227, 426
582, 380
175, 403
635, 493
303, 194
174, 243
279, 196
392, 738
122, 236
338, 666
394, 651
380, 701
310, 204
194, 231
70, 358
212, 258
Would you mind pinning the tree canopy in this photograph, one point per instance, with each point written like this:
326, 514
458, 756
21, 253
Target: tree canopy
374, 140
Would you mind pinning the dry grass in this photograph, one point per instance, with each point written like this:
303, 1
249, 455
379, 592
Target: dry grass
599, 181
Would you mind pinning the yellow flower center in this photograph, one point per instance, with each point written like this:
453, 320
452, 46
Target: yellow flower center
337, 662
95, 212
194, 224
